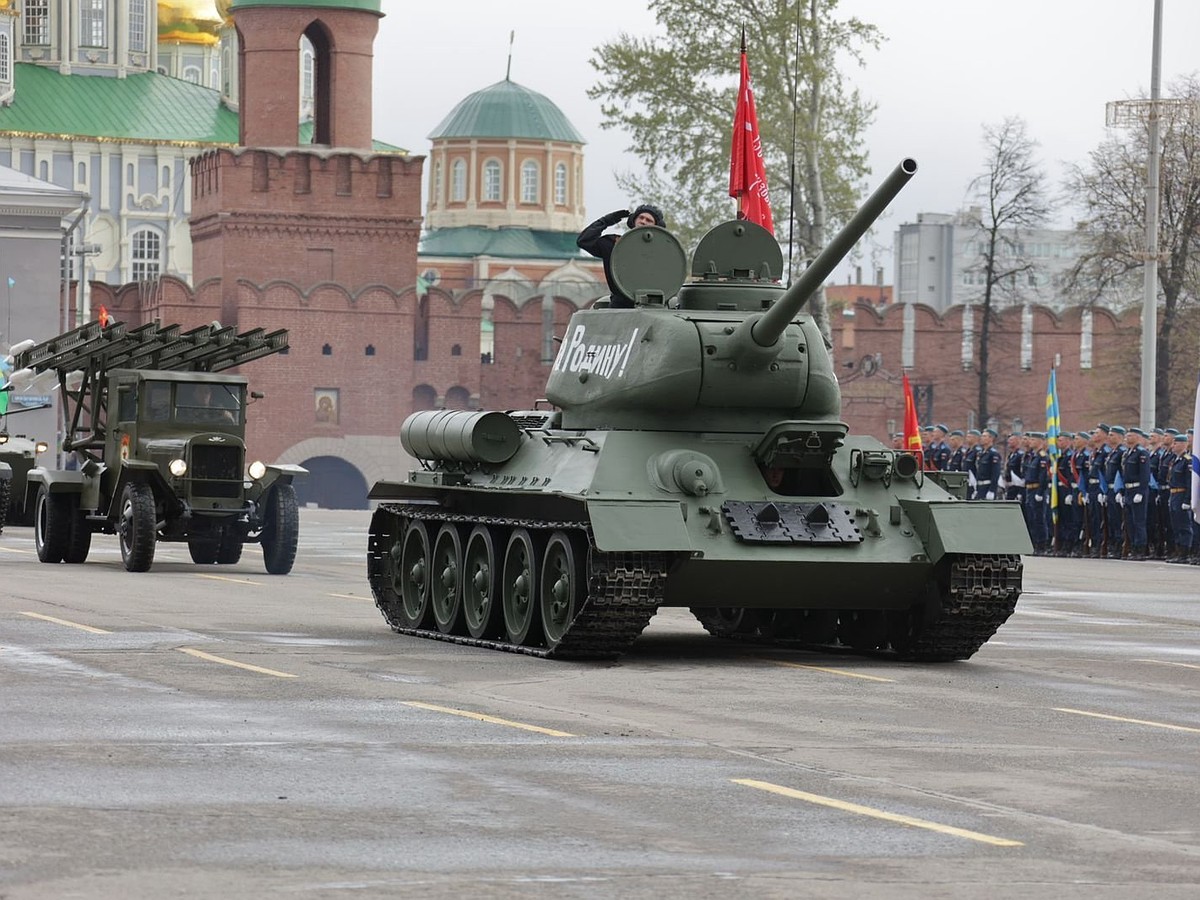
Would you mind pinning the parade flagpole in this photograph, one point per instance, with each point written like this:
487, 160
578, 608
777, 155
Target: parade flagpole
1196, 461
747, 170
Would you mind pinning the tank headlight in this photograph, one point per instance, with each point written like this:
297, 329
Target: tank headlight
257, 469
178, 467
41, 447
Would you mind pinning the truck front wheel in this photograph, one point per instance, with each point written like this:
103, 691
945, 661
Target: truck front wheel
136, 527
282, 531
51, 525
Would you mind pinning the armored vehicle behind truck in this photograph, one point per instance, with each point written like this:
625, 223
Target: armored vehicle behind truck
693, 457
18, 454
157, 434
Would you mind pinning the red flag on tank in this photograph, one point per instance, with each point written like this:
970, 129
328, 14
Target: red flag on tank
912, 427
747, 171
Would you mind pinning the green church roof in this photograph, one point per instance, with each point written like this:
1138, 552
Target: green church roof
518, 243
143, 107
147, 107
507, 110
365, 5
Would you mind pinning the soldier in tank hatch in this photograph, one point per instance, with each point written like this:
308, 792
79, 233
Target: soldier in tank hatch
593, 240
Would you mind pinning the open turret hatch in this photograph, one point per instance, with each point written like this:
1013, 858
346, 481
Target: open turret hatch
649, 265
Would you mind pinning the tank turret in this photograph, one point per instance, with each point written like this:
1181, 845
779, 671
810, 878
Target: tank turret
728, 350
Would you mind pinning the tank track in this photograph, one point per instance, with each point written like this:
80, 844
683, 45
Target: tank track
624, 589
968, 603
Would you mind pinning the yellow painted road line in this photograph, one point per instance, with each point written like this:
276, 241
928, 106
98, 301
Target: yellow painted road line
349, 597
200, 654
834, 671
484, 718
87, 628
1166, 662
227, 578
15, 550
1096, 715
878, 813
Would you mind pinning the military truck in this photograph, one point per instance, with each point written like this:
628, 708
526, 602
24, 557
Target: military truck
157, 437
691, 455
18, 454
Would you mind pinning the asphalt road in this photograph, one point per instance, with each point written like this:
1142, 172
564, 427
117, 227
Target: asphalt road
219, 732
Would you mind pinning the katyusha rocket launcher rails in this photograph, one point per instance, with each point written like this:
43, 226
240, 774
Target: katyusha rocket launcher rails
691, 454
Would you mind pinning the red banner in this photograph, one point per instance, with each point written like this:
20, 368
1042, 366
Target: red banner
912, 427
747, 171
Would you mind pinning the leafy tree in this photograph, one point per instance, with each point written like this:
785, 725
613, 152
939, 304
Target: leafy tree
674, 93
1012, 198
1112, 189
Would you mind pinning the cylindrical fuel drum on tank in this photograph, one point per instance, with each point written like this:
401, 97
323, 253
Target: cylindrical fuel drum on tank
461, 435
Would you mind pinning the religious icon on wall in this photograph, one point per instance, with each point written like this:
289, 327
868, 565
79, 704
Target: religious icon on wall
326, 405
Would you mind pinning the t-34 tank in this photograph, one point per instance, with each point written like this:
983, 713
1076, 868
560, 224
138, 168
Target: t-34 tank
693, 457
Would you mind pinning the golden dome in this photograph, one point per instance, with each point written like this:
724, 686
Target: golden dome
7, 5
187, 21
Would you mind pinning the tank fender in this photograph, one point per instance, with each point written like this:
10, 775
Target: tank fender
956, 526
619, 525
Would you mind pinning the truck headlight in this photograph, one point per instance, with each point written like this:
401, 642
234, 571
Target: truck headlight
41, 446
178, 467
257, 469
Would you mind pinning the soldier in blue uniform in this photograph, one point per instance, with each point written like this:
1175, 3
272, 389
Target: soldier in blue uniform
1066, 533
939, 449
1154, 449
971, 447
1112, 468
1179, 492
956, 451
1037, 490
1014, 466
1164, 545
1135, 471
987, 467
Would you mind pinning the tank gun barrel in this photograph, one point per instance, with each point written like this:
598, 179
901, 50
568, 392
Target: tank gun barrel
767, 329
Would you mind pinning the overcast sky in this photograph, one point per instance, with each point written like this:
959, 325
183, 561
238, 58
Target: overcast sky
946, 68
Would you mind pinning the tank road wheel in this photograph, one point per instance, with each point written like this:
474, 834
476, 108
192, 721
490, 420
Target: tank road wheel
282, 531
5, 501
412, 576
79, 538
51, 525
727, 621
520, 588
561, 588
229, 547
203, 551
481, 589
136, 527
779, 624
445, 586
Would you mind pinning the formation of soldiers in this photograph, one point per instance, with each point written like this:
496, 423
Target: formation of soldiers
1123, 493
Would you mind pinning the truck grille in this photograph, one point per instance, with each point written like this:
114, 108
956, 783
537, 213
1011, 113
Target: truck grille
216, 471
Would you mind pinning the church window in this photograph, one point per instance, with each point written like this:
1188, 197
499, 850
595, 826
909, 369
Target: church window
37, 21
146, 254
307, 77
458, 181
560, 184
491, 180
137, 26
92, 22
5, 61
192, 74
530, 187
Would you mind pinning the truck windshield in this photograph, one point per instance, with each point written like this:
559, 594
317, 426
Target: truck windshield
207, 403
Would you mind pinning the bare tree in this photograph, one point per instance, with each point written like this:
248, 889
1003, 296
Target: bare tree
1012, 199
1112, 189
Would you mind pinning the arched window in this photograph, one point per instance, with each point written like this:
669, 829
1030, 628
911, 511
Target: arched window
491, 180
137, 26
560, 184
93, 22
458, 181
530, 187
36, 14
5, 59
307, 73
192, 74
435, 189
321, 41
423, 397
458, 397
145, 254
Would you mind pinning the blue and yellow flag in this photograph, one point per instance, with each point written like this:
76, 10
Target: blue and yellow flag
1052, 441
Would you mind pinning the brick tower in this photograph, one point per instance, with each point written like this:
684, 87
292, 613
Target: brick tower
319, 237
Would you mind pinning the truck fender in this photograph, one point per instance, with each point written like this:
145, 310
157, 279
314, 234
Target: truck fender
140, 471
280, 473
57, 481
